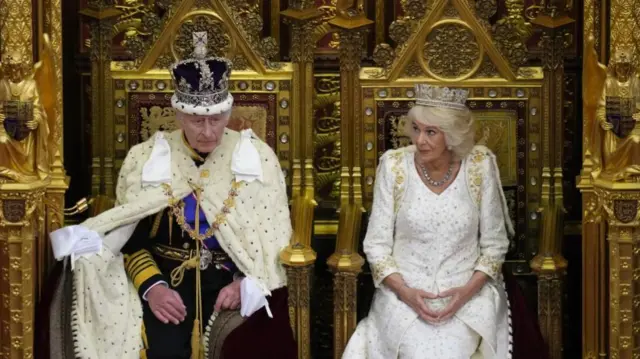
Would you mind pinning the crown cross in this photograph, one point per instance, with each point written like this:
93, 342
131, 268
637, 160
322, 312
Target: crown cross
427, 95
200, 40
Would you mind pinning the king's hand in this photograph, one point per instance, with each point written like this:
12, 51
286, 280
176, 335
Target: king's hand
166, 304
229, 297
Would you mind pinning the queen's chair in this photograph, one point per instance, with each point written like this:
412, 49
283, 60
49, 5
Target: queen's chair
499, 128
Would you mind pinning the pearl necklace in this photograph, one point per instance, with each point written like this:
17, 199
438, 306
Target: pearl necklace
430, 180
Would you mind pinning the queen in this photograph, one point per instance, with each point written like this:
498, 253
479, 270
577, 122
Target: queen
436, 242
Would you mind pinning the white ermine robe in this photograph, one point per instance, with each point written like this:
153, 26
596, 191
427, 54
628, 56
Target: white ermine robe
107, 313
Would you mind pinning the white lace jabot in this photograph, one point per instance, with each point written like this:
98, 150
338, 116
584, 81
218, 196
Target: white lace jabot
245, 161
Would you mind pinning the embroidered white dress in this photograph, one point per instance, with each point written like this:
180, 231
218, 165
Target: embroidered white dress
436, 242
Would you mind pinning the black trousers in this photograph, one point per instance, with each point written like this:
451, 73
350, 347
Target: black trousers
170, 341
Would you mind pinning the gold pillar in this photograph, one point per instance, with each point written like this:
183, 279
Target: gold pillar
101, 16
594, 274
51, 20
549, 264
620, 202
299, 258
610, 263
20, 206
345, 262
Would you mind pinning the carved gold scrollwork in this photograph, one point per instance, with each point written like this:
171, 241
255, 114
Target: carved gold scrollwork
553, 49
327, 146
487, 69
512, 32
414, 9
400, 31
351, 49
157, 118
219, 41
249, 22
450, 11
485, 9
451, 51
101, 36
414, 69
302, 44
592, 210
384, 55
142, 24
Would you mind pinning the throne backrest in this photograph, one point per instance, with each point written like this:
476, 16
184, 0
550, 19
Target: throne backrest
501, 116
138, 100
149, 112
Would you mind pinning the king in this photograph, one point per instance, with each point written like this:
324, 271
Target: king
187, 263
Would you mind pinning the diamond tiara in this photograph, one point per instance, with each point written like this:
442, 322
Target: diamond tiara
444, 97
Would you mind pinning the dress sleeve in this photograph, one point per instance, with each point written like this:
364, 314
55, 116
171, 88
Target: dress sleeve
494, 242
138, 261
378, 242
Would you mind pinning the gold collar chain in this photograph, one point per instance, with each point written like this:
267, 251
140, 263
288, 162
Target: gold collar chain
177, 206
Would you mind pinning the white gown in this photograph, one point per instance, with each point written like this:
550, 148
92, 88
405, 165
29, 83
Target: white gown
435, 242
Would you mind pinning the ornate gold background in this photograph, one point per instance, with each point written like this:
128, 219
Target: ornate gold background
329, 110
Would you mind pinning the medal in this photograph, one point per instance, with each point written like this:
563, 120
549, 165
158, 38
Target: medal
205, 258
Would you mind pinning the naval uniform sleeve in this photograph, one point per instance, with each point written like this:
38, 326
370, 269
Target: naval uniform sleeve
138, 261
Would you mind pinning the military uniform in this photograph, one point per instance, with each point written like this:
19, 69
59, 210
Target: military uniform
156, 250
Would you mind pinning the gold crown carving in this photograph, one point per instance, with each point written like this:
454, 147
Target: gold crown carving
444, 97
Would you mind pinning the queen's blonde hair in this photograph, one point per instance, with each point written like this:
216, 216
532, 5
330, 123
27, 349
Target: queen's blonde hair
458, 126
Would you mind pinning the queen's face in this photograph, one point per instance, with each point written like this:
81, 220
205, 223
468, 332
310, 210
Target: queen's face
204, 133
429, 140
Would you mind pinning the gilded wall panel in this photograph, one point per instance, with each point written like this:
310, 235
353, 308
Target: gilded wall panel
327, 145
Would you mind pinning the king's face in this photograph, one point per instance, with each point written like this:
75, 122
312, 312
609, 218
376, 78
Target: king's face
204, 133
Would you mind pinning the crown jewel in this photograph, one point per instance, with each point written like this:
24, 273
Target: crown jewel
434, 96
202, 83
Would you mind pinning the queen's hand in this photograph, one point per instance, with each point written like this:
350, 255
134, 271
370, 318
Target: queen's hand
459, 296
415, 298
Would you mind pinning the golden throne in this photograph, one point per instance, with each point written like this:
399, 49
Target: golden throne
135, 97
446, 43
139, 93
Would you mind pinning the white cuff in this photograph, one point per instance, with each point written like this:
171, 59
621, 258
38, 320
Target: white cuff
252, 298
74, 241
144, 296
